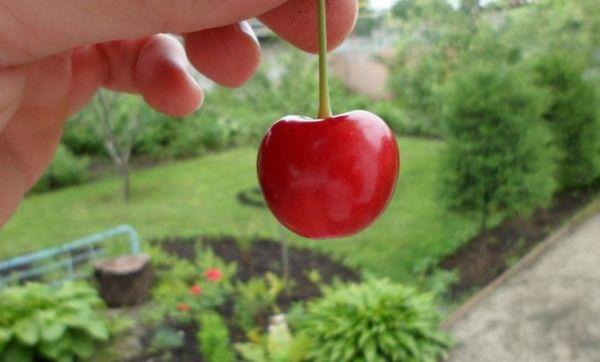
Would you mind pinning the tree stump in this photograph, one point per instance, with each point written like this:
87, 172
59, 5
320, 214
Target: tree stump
125, 280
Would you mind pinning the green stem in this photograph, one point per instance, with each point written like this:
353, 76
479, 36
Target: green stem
324, 104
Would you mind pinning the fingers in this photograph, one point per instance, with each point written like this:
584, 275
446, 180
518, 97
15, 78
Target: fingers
33, 133
155, 67
12, 183
12, 81
297, 22
33, 29
161, 76
228, 55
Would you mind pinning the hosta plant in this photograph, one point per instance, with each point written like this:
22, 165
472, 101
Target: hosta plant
278, 345
40, 322
374, 321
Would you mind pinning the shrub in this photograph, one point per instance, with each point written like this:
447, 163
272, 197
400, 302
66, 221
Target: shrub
374, 321
497, 156
572, 115
66, 169
81, 137
57, 324
214, 339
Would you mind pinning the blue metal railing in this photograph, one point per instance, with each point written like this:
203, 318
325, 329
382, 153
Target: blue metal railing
80, 251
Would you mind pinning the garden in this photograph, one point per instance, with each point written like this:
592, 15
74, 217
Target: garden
495, 111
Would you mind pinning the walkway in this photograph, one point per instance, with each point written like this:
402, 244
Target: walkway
549, 311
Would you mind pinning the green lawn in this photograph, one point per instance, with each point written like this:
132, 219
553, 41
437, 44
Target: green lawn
199, 197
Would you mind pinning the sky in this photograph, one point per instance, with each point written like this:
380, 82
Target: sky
386, 4
382, 4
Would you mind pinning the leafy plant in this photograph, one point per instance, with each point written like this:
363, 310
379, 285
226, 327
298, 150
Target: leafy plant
498, 156
374, 321
184, 289
278, 346
57, 324
254, 298
572, 115
214, 339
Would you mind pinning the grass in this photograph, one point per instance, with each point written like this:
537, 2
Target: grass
199, 197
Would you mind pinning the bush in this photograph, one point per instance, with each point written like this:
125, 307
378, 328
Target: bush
38, 322
66, 169
573, 118
81, 137
498, 155
214, 339
374, 321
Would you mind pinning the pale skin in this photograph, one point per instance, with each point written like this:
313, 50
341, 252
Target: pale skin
56, 54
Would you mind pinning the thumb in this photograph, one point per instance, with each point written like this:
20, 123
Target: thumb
33, 29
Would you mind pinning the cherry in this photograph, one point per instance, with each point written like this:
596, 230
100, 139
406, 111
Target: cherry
330, 177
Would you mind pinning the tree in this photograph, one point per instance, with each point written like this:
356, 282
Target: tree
497, 157
118, 119
572, 115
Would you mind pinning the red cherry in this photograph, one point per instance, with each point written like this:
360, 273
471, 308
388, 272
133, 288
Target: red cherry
331, 177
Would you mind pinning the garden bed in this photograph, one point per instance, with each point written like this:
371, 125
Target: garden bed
263, 256
490, 253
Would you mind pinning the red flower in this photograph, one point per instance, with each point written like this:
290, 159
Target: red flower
214, 275
184, 307
196, 289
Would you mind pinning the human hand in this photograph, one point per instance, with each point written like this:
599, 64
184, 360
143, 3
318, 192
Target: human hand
55, 55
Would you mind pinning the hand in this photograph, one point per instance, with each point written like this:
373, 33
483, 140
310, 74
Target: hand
55, 55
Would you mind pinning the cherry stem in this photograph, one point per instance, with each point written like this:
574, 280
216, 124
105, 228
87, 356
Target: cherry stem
324, 103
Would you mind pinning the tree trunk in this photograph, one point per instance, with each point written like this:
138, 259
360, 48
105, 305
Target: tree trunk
126, 182
125, 280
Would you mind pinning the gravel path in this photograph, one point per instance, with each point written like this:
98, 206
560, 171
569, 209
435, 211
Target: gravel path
549, 311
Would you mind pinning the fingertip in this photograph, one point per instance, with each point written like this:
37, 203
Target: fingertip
296, 21
229, 55
162, 78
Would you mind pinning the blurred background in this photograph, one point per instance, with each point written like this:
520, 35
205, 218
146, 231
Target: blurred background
495, 106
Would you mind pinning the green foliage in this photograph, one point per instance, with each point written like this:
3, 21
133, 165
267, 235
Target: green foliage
57, 324
434, 36
374, 321
397, 119
214, 339
255, 298
66, 169
176, 277
498, 155
278, 346
572, 115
